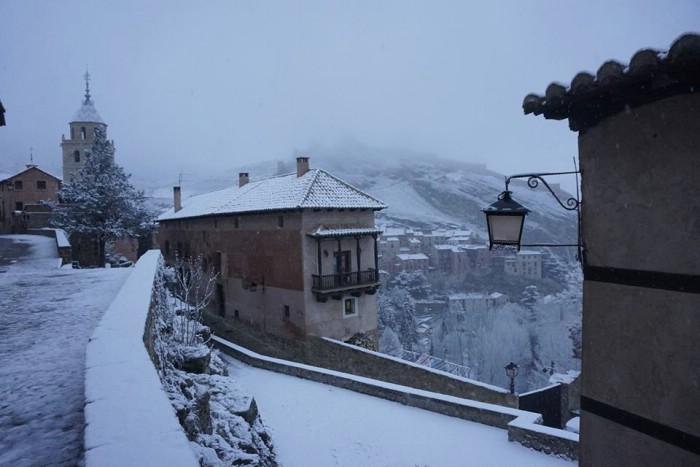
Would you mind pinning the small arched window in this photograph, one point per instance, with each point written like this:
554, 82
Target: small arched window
76, 156
83, 133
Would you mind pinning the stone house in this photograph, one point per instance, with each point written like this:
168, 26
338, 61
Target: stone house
23, 197
470, 303
411, 262
639, 146
297, 254
525, 263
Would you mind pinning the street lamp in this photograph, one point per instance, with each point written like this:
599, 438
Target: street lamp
505, 217
512, 372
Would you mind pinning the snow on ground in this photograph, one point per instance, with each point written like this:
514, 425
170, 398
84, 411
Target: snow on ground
46, 317
314, 424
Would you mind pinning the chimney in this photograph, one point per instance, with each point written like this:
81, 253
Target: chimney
302, 166
243, 179
178, 199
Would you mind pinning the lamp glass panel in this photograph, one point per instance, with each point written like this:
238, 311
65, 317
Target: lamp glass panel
505, 229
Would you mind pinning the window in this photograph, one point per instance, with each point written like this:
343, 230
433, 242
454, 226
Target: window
235, 313
18, 184
235, 222
19, 206
342, 262
286, 311
167, 248
83, 133
76, 156
280, 221
349, 307
41, 184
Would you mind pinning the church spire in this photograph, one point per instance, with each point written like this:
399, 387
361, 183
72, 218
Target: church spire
87, 87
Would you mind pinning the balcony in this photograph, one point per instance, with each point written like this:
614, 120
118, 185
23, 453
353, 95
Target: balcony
358, 281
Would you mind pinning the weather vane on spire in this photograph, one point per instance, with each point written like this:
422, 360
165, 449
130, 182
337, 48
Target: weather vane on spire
87, 86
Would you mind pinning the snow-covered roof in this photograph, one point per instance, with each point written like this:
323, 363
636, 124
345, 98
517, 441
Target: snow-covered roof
316, 189
567, 378
394, 231
529, 252
324, 233
87, 113
408, 256
4, 176
473, 296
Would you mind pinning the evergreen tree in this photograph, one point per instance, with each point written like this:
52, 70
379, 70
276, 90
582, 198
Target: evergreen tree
99, 204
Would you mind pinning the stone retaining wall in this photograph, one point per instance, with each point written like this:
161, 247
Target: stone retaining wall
62, 243
523, 427
129, 418
335, 355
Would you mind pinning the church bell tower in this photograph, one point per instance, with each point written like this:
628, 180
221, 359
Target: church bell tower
82, 130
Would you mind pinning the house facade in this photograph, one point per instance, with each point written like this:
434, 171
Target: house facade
23, 197
639, 141
297, 254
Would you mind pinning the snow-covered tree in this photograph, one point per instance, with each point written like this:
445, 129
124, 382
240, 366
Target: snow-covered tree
396, 311
99, 204
529, 300
414, 282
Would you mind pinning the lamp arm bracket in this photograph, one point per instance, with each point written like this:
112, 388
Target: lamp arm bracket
533, 181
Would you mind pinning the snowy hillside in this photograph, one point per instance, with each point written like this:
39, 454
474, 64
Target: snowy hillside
421, 190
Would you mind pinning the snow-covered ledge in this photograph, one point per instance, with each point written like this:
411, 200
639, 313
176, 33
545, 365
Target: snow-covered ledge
129, 418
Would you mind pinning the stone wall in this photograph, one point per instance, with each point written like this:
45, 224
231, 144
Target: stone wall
523, 427
353, 360
62, 243
128, 423
560, 444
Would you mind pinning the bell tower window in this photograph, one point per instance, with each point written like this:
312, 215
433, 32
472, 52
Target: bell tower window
76, 156
83, 133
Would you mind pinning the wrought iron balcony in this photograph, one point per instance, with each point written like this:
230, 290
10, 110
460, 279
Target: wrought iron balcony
345, 280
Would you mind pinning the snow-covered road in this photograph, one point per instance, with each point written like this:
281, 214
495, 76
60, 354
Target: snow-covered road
46, 317
314, 424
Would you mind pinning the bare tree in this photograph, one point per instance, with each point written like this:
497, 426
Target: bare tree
194, 288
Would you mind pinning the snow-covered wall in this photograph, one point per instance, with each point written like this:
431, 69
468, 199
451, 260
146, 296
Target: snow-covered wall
523, 427
129, 418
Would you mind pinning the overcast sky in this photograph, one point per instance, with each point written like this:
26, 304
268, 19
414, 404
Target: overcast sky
191, 86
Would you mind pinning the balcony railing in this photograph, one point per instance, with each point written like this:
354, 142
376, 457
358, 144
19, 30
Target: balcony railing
345, 280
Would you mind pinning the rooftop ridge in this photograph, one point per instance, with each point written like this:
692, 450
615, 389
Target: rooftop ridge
353, 188
309, 186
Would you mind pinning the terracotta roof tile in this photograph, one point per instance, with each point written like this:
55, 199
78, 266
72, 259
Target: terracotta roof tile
651, 75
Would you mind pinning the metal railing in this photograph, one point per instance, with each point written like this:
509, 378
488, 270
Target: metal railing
432, 362
345, 279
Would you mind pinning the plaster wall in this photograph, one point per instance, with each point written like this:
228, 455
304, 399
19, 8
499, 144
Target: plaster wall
640, 171
621, 446
257, 248
640, 212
